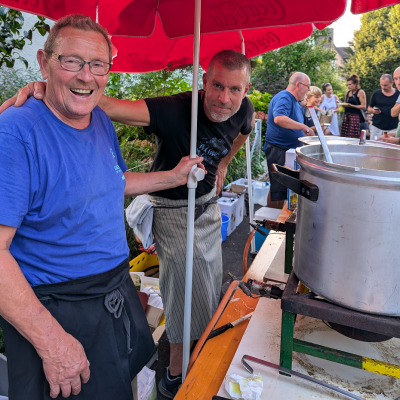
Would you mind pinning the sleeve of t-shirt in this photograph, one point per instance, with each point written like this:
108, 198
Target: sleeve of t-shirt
372, 102
163, 113
246, 127
117, 150
281, 107
15, 172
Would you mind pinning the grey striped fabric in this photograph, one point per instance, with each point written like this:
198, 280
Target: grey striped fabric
169, 228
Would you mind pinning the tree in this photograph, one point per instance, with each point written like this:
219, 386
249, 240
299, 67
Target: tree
312, 56
376, 47
11, 23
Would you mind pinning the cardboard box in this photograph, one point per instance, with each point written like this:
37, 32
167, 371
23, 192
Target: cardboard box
153, 315
239, 189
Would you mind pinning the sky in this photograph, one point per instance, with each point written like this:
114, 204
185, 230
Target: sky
344, 27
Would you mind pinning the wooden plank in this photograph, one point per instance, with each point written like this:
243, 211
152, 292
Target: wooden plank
212, 364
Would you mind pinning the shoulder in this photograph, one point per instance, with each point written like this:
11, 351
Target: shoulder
248, 105
183, 98
20, 121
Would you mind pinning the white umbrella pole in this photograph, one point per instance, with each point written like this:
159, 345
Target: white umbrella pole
192, 184
248, 164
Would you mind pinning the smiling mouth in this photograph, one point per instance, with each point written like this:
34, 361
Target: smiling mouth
81, 92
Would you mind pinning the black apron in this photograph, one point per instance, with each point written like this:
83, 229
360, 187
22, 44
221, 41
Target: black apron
103, 312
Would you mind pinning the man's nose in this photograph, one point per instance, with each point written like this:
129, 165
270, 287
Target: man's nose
224, 96
84, 74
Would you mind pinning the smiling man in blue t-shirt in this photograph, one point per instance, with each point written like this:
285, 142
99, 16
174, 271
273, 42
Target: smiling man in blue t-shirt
285, 124
65, 293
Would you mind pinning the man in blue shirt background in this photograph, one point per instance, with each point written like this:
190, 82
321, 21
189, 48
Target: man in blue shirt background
285, 124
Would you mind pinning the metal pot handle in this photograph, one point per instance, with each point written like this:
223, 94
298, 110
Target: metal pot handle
291, 179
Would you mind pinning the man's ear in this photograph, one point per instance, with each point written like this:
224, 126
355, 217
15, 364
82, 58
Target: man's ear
204, 80
246, 89
43, 61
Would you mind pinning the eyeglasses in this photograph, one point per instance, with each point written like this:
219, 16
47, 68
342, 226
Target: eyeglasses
75, 64
307, 86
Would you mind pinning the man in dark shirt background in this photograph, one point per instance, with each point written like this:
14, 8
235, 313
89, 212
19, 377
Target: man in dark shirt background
382, 101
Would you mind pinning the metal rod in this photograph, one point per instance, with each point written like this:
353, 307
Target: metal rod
248, 166
320, 134
298, 374
191, 196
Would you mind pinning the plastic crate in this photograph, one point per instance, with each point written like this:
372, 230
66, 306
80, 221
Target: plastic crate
144, 262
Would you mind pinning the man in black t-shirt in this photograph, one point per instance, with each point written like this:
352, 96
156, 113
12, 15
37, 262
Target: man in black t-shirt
382, 101
225, 118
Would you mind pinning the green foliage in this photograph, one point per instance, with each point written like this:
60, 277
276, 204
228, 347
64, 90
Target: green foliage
11, 80
138, 156
11, 39
140, 86
376, 47
260, 100
312, 56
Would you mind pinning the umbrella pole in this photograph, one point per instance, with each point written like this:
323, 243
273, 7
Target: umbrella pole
248, 165
192, 184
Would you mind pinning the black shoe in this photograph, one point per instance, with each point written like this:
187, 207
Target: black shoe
168, 387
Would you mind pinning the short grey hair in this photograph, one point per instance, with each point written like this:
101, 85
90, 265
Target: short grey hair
296, 77
76, 21
387, 76
231, 60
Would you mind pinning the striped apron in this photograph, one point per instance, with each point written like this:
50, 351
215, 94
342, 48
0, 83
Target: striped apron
170, 232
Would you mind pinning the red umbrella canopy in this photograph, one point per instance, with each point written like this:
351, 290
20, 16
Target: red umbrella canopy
362, 6
158, 51
139, 17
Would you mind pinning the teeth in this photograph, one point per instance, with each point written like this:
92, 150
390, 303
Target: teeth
81, 91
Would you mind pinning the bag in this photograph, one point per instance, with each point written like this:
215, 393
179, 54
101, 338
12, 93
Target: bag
325, 117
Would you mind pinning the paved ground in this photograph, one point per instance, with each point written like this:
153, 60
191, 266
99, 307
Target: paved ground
232, 255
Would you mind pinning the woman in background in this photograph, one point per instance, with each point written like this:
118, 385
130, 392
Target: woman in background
354, 103
330, 102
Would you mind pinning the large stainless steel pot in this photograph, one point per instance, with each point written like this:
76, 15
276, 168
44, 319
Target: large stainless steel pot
347, 244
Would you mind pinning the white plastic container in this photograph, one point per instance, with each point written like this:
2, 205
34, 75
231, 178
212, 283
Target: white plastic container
239, 210
229, 206
290, 157
260, 193
261, 214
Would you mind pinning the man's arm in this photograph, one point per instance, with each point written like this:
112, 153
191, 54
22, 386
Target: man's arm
64, 361
287, 123
395, 111
141, 183
125, 111
223, 165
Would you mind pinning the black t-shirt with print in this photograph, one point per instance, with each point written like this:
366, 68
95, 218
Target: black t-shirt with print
384, 120
170, 119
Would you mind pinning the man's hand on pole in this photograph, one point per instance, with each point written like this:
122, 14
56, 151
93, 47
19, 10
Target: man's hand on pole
65, 365
36, 89
308, 131
182, 170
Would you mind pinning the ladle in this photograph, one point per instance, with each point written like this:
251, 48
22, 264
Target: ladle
321, 135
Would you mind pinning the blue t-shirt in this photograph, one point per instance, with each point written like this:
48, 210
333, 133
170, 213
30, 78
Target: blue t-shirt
63, 189
284, 103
